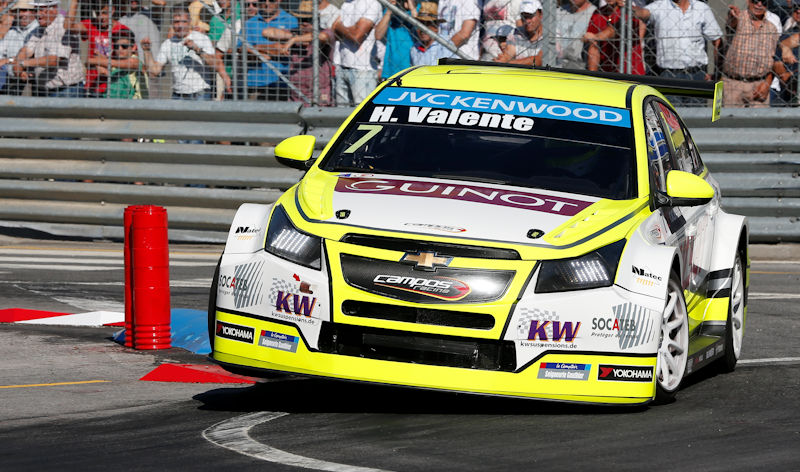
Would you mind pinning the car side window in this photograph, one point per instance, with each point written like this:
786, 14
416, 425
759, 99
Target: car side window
658, 156
682, 144
697, 164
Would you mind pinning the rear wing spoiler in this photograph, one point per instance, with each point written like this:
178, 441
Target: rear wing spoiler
667, 86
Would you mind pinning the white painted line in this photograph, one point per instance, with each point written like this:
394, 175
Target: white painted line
102, 253
773, 262
94, 318
53, 260
86, 265
768, 296
77, 268
771, 360
195, 283
234, 434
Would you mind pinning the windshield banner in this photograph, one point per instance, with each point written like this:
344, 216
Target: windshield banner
520, 199
503, 105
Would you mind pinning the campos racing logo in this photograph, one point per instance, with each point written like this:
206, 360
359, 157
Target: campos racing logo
444, 288
468, 193
514, 107
625, 373
644, 277
235, 332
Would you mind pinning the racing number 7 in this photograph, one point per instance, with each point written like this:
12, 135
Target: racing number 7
371, 131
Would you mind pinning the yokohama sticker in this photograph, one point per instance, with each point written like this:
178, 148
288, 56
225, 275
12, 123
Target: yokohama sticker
468, 193
235, 332
625, 373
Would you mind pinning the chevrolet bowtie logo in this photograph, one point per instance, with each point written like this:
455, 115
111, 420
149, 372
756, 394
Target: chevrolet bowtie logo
425, 260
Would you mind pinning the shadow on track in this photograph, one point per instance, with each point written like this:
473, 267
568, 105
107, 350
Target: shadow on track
289, 395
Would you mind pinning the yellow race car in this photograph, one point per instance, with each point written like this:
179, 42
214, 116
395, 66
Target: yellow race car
495, 230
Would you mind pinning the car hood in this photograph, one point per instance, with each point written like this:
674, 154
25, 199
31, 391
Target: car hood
454, 208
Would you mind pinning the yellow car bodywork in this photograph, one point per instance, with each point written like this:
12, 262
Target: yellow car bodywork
280, 344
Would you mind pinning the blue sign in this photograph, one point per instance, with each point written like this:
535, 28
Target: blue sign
504, 104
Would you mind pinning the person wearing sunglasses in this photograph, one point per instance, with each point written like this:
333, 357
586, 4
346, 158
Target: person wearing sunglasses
126, 79
96, 32
747, 68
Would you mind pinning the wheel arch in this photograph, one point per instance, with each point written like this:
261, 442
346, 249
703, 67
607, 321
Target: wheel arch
248, 229
645, 268
731, 236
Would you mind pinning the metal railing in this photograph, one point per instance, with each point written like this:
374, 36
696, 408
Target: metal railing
79, 185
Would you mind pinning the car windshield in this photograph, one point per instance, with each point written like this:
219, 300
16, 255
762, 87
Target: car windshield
578, 153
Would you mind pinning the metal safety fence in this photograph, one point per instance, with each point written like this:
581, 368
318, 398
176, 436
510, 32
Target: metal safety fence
69, 167
333, 52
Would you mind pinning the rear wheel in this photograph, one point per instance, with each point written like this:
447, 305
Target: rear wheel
734, 328
674, 343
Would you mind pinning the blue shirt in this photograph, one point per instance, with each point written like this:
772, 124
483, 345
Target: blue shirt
262, 75
430, 56
398, 44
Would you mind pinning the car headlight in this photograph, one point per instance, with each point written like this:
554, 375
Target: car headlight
593, 270
287, 242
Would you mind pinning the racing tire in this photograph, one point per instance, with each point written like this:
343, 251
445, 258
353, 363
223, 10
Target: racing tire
734, 327
212, 305
673, 346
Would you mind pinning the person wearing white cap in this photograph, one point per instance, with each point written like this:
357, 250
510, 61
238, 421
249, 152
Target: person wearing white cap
525, 45
24, 25
51, 56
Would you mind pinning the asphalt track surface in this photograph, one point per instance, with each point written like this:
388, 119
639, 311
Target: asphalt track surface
70, 398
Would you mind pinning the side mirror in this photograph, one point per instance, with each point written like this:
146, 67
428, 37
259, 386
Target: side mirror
685, 189
295, 152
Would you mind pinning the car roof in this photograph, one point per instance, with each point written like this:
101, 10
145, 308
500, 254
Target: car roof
531, 83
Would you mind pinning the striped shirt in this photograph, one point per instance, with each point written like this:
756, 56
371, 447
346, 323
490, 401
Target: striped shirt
752, 50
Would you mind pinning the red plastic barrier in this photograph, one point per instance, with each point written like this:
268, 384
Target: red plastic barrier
128, 221
150, 278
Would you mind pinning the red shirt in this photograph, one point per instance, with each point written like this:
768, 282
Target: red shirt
609, 50
99, 45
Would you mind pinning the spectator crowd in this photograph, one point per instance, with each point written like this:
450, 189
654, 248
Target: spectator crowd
266, 49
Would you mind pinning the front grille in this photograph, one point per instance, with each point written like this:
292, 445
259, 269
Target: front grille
418, 315
417, 348
412, 245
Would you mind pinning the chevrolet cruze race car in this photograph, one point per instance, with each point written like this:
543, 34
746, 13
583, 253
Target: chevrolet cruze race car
493, 230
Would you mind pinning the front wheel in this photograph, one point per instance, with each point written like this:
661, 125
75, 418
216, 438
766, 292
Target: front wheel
212, 305
673, 347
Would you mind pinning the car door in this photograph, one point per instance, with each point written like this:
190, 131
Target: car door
690, 228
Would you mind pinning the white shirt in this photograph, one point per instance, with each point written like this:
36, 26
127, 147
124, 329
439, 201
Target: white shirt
455, 13
327, 16
352, 55
13, 41
775, 20
143, 27
187, 67
681, 37
570, 28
